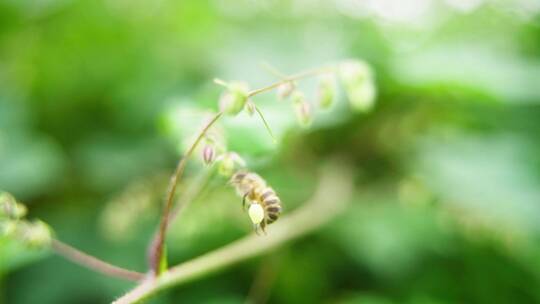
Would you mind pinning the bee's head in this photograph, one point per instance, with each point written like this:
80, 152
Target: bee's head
237, 177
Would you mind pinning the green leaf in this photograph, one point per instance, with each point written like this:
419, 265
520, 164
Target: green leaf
14, 254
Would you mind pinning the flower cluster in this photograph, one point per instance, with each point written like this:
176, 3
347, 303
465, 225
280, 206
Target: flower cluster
35, 234
356, 77
357, 80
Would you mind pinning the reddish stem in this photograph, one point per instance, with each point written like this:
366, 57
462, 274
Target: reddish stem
93, 263
155, 253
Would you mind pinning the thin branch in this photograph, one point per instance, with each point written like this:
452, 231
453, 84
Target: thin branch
189, 195
331, 198
93, 263
156, 248
294, 77
274, 71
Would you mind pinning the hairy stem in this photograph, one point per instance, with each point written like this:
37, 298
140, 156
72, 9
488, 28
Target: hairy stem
93, 263
301, 75
332, 196
156, 249
190, 194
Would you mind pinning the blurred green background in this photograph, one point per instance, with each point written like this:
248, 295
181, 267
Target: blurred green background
97, 98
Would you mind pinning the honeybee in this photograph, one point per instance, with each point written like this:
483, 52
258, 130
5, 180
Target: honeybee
264, 205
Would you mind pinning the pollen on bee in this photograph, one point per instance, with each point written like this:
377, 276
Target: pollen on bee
256, 213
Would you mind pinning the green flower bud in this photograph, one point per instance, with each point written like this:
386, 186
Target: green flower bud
35, 234
233, 100
362, 98
250, 108
7, 228
9, 208
228, 162
302, 109
359, 85
327, 91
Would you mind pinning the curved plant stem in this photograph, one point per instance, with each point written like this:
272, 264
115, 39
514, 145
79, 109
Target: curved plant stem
155, 253
93, 263
307, 73
273, 70
156, 248
332, 196
190, 194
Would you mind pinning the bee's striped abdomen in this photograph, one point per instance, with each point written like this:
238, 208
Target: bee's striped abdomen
272, 205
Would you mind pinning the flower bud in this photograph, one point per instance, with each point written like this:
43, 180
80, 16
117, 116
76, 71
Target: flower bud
7, 228
302, 109
327, 91
233, 100
359, 85
228, 162
35, 234
9, 208
284, 90
250, 108
208, 153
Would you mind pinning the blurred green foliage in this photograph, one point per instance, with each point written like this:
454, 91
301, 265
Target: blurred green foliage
93, 101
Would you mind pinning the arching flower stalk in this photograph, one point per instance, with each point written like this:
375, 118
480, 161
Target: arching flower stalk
358, 82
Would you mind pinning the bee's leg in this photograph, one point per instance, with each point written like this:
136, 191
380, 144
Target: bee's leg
256, 228
244, 201
263, 225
